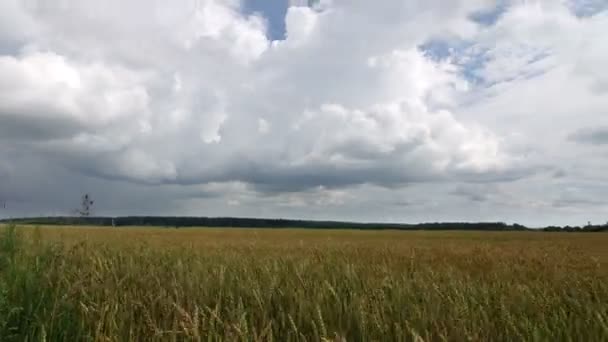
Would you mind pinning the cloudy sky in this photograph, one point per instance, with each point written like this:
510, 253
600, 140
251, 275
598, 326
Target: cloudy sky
407, 111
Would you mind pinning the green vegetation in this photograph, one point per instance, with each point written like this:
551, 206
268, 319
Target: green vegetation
137, 284
234, 222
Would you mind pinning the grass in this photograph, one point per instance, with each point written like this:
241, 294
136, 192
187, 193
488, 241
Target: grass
137, 284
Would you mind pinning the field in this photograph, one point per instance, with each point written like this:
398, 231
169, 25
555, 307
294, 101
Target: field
139, 284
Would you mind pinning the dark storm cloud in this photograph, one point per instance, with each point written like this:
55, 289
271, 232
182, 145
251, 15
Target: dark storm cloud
40, 186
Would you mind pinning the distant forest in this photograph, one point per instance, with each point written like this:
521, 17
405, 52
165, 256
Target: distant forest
228, 222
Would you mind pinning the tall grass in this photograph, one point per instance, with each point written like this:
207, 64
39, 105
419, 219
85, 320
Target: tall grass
301, 288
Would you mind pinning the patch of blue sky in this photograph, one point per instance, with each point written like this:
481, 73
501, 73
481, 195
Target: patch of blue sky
274, 11
490, 16
472, 60
582, 8
588, 8
464, 53
460, 52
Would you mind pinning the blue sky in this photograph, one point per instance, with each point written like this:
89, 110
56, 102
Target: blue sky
274, 11
490, 17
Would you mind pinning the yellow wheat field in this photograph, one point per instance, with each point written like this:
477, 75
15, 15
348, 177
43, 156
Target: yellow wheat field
144, 284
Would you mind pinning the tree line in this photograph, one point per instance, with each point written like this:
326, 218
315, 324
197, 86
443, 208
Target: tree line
184, 222
234, 222
570, 229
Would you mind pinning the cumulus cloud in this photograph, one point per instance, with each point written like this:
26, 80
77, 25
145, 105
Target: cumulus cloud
162, 98
43, 93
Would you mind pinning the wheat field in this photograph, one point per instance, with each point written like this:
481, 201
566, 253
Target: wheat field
144, 284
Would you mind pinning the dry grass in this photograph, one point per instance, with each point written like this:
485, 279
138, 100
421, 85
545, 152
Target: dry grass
138, 284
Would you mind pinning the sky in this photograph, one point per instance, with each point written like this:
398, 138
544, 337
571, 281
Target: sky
375, 111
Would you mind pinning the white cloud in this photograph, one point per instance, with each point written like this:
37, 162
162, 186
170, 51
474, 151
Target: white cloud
44, 92
263, 126
300, 23
214, 23
196, 94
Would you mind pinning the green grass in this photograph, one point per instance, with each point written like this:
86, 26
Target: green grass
136, 284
